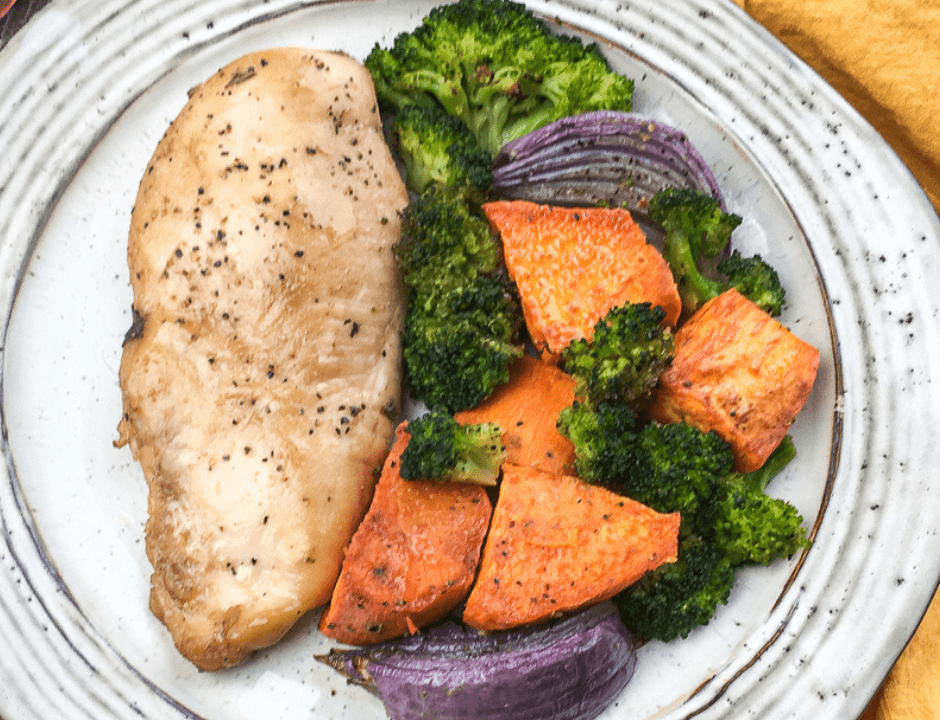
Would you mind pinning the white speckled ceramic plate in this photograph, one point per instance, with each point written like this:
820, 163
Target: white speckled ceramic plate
87, 89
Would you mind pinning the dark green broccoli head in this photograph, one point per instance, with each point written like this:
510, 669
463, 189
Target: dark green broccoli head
439, 148
696, 229
622, 362
685, 466
750, 526
463, 322
458, 348
727, 521
489, 304
675, 598
605, 441
469, 33
498, 68
450, 54
385, 70
582, 81
485, 305
431, 451
444, 241
439, 448
756, 280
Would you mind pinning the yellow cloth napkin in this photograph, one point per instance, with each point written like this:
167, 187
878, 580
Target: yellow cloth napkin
883, 56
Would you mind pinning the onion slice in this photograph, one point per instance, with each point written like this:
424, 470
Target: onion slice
571, 669
604, 157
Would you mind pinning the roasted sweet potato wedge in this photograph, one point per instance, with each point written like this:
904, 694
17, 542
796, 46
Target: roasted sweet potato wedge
413, 558
557, 544
572, 265
739, 372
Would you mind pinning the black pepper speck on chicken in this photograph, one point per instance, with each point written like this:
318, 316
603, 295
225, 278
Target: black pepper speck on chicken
267, 303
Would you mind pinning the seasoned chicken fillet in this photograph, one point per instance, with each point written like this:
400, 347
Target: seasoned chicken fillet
261, 378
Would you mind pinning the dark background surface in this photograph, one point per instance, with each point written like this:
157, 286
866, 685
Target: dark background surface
15, 19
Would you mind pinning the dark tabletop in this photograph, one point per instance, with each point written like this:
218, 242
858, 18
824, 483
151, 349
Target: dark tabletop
17, 17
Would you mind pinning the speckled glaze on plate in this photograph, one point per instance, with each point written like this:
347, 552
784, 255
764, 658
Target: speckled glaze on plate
86, 91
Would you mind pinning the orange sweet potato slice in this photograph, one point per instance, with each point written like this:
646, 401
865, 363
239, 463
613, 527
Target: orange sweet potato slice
413, 558
527, 408
739, 372
558, 544
572, 265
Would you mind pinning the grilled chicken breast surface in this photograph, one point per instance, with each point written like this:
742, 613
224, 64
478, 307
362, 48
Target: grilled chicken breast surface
261, 377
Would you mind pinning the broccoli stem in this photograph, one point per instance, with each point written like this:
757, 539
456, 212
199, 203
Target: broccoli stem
480, 455
694, 288
528, 123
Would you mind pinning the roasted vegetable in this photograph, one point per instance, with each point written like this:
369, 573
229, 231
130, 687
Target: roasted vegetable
462, 328
755, 279
739, 524
571, 669
458, 350
445, 243
615, 159
738, 372
443, 449
527, 408
675, 599
411, 560
672, 468
698, 231
573, 265
727, 518
557, 543
629, 350
751, 526
678, 469
438, 148
498, 68
604, 438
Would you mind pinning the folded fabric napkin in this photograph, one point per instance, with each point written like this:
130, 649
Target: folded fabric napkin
883, 56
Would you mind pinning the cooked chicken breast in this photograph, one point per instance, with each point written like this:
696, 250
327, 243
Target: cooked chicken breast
261, 377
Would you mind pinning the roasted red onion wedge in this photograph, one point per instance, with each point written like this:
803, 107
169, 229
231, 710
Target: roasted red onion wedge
571, 669
603, 157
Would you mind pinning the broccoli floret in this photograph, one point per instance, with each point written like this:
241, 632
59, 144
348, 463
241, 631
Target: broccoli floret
622, 362
604, 437
682, 469
698, 231
449, 367
458, 343
498, 68
751, 526
445, 241
675, 598
463, 321
438, 148
439, 448
756, 280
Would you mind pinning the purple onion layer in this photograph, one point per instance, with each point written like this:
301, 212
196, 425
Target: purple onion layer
571, 669
604, 157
